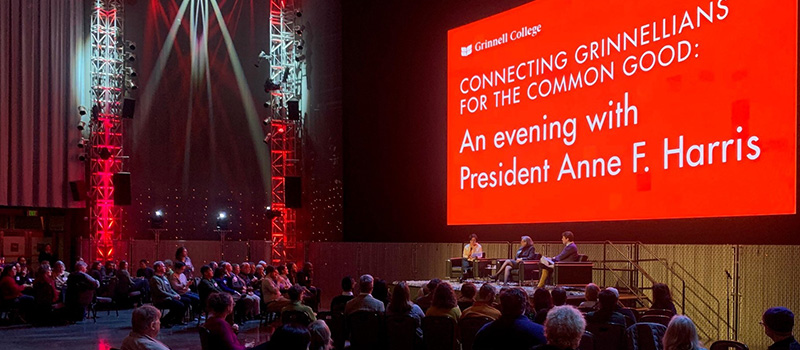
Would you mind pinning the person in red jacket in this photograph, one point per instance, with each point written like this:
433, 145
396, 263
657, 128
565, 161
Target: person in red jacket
11, 292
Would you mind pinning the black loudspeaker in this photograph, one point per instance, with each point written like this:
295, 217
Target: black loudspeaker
293, 191
128, 107
122, 188
78, 189
293, 110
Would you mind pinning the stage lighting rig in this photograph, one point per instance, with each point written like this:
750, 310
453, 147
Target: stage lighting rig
130, 45
300, 58
157, 219
273, 213
130, 57
271, 86
222, 221
300, 44
130, 72
81, 125
81, 110
261, 57
300, 29
82, 143
130, 84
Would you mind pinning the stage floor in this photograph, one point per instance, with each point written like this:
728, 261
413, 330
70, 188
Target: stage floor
109, 331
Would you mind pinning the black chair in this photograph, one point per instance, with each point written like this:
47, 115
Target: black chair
295, 317
454, 268
469, 327
608, 336
587, 341
528, 271
204, 335
401, 332
365, 329
659, 312
335, 322
645, 336
573, 273
656, 319
727, 345
439, 333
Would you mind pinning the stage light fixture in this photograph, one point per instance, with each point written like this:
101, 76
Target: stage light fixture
266, 121
300, 58
268, 138
300, 29
272, 213
301, 44
222, 221
130, 72
270, 86
266, 104
261, 57
83, 157
82, 143
81, 125
157, 219
130, 84
299, 14
130, 57
130, 45
81, 110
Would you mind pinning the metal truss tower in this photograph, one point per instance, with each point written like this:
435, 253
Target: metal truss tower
284, 134
105, 127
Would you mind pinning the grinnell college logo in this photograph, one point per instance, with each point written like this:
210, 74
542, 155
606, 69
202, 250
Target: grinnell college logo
466, 50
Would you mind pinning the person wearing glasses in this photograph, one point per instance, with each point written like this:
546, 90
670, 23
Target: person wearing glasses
472, 251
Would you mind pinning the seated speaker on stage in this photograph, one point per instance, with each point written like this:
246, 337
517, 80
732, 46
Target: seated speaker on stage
472, 251
570, 253
525, 252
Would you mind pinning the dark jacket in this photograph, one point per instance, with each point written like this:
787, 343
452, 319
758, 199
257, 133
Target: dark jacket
205, 288
509, 333
526, 253
604, 317
570, 253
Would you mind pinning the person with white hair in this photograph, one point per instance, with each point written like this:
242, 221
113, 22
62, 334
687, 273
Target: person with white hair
681, 334
364, 301
146, 323
563, 328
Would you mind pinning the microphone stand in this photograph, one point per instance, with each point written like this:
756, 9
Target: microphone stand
728, 301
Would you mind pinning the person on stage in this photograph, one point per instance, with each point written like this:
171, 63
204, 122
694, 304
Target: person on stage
525, 252
570, 253
472, 251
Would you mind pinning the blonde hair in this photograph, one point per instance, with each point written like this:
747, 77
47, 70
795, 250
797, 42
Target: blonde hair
564, 327
681, 334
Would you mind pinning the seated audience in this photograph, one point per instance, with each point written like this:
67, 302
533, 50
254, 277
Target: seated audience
590, 296
95, 272
180, 285
628, 313
291, 272
467, 297
320, 336
109, 271
542, 303
23, 277
304, 278
512, 330
259, 273
444, 303
207, 285
681, 334
182, 255
11, 292
559, 296
290, 337
295, 296
128, 283
563, 328
401, 305
251, 302
165, 298
606, 312
144, 271
80, 291
380, 291
44, 289
364, 300
273, 300
60, 275
483, 304
424, 301
662, 299
168, 265
145, 324
339, 301
246, 274
778, 323
283, 279
221, 334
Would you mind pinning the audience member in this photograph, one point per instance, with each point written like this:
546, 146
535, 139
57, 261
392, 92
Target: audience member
23, 277
129, 284
221, 334
401, 305
512, 330
251, 302
444, 303
44, 289
95, 272
47, 255
291, 272
273, 299
569, 253
681, 334
662, 299
259, 273
290, 337
80, 291
60, 276
606, 312
778, 325
338, 303
563, 328
207, 285
144, 271
168, 266
12, 292
214, 266
425, 300
380, 291
467, 297
182, 255
304, 278
590, 297
628, 313
246, 274
483, 304
165, 298
295, 296
109, 271
320, 336
145, 324
283, 279
559, 296
364, 300
180, 285
542, 303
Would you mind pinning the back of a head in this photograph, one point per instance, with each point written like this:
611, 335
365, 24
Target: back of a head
513, 302
432, 284
661, 295
365, 283
270, 269
681, 334
347, 284
444, 297
778, 321
591, 292
559, 296
320, 335
290, 337
564, 327
295, 292
542, 299
380, 290
219, 272
219, 302
608, 300
143, 317
468, 290
400, 298
486, 293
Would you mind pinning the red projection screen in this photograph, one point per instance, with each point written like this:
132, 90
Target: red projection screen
567, 111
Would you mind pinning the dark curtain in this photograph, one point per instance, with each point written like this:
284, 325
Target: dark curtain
43, 77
